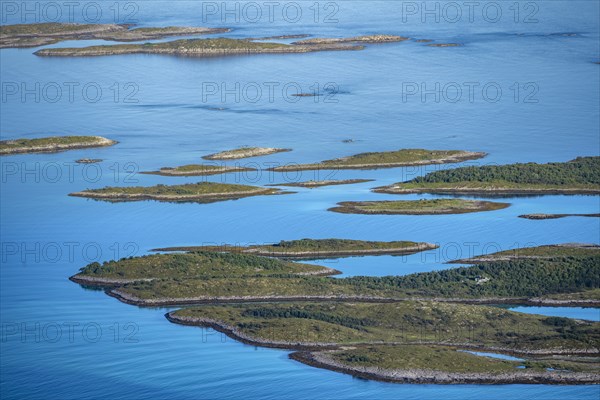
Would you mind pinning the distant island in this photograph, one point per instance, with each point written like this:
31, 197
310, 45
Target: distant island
197, 170
388, 159
210, 47
417, 207
244, 152
203, 192
88, 160
52, 144
579, 176
355, 39
316, 184
555, 216
34, 35
315, 248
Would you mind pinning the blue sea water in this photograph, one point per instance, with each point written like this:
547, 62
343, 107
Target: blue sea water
59, 340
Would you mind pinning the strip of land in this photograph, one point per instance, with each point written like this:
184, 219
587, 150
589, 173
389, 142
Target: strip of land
356, 39
203, 192
52, 144
579, 176
555, 216
316, 184
388, 159
197, 265
417, 207
566, 281
34, 35
537, 252
316, 248
244, 152
198, 170
196, 48
88, 160
413, 341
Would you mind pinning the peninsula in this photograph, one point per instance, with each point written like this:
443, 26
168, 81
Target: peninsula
417, 207
316, 248
579, 176
203, 192
387, 159
52, 144
537, 252
244, 152
34, 35
197, 170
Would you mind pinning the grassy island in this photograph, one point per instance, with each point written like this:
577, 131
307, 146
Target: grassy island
244, 152
388, 159
316, 184
514, 281
197, 170
317, 248
444, 45
579, 176
203, 192
555, 216
52, 144
415, 341
196, 48
417, 207
199, 265
34, 35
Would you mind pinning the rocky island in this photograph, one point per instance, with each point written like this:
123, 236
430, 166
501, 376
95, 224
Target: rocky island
417, 207
203, 192
244, 152
315, 184
52, 144
538, 252
388, 159
579, 176
34, 35
316, 248
197, 170
356, 39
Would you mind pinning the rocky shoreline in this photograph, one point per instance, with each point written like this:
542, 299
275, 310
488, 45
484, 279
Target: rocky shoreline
395, 189
244, 152
555, 216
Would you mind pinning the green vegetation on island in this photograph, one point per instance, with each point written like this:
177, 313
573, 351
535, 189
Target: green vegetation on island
244, 152
417, 207
388, 159
33, 35
519, 281
537, 252
203, 192
296, 325
579, 176
315, 184
316, 248
356, 39
199, 265
197, 170
52, 144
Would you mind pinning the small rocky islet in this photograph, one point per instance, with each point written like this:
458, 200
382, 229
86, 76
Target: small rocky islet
417, 207
52, 144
